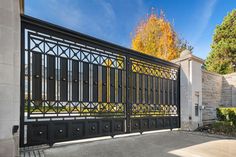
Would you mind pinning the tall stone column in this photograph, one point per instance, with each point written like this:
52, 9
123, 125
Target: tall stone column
190, 90
9, 76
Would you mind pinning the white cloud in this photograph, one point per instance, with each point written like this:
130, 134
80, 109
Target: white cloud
205, 18
65, 12
72, 16
108, 9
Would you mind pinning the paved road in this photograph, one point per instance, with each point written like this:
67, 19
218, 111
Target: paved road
162, 144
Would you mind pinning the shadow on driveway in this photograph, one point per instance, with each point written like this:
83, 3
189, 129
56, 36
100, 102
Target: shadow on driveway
162, 144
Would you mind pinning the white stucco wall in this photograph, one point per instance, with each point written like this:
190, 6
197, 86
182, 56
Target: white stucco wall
9, 74
190, 90
196, 92
185, 93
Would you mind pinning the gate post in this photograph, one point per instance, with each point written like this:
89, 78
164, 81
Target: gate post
190, 90
9, 77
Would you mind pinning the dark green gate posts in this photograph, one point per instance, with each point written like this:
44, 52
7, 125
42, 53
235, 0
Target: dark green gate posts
74, 86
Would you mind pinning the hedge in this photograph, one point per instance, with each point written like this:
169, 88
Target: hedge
226, 114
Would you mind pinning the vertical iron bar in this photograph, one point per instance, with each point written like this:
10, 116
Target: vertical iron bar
43, 102
22, 86
128, 112
95, 83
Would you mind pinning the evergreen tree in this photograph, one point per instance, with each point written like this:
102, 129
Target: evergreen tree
222, 57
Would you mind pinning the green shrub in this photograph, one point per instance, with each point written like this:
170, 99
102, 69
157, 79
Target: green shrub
232, 117
225, 110
220, 116
226, 114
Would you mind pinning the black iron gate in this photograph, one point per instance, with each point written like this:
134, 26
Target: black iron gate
74, 86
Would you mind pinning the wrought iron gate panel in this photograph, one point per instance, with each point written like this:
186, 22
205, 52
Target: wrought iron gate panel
155, 81
74, 86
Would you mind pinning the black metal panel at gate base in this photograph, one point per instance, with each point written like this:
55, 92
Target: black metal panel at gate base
74, 86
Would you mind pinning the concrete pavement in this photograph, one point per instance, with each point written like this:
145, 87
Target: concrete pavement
163, 144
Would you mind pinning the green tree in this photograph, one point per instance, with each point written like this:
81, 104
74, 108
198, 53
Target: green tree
222, 57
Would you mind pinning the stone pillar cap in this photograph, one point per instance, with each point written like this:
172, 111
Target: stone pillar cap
185, 53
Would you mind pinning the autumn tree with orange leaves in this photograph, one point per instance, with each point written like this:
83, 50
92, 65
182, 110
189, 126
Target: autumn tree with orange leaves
155, 36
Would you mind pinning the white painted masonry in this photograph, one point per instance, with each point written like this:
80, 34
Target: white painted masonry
207, 89
190, 89
9, 75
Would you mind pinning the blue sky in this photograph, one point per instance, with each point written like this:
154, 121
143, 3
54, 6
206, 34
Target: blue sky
115, 20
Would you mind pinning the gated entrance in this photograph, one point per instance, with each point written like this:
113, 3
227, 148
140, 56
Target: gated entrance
74, 86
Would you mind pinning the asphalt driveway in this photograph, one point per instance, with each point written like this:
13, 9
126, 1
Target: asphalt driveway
161, 144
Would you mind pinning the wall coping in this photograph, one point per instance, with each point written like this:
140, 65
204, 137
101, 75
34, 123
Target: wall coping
228, 75
213, 73
188, 57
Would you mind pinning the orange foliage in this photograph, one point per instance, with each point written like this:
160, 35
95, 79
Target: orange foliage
155, 37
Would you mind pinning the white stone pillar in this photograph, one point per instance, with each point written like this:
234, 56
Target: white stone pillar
190, 90
9, 75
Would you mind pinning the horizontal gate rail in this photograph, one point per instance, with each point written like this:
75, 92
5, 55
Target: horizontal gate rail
65, 33
74, 86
